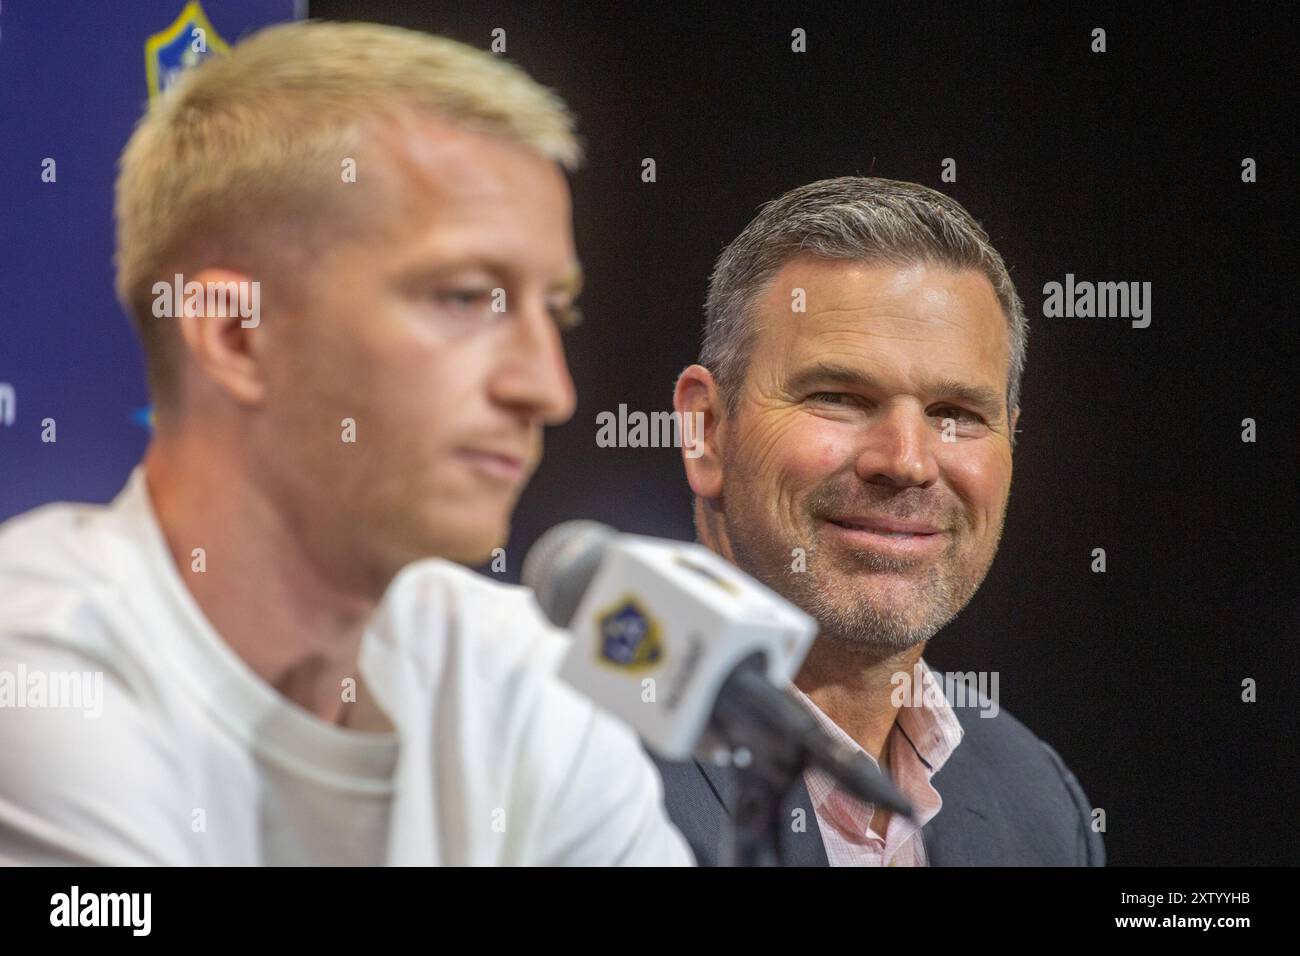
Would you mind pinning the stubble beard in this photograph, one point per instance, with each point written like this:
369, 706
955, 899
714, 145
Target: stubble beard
837, 586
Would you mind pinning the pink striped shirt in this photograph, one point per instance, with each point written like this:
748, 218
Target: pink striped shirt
921, 741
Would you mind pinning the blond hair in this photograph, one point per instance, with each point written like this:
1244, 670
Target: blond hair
238, 165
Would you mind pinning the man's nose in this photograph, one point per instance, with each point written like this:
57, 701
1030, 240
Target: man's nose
899, 449
533, 376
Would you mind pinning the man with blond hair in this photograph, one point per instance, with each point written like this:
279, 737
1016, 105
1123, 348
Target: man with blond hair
276, 660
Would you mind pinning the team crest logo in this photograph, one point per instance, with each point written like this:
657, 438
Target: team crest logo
629, 637
190, 40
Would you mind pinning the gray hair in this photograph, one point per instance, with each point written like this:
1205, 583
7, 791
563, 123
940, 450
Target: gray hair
857, 218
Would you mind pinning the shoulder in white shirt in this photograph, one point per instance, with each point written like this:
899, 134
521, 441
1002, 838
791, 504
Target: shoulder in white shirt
130, 733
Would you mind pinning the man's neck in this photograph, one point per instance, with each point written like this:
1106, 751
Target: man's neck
856, 689
258, 586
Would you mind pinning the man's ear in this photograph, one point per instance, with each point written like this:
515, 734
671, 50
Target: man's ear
699, 405
1015, 417
218, 316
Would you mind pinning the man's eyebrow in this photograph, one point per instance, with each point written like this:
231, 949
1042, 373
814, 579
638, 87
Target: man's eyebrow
831, 373
423, 273
828, 373
980, 396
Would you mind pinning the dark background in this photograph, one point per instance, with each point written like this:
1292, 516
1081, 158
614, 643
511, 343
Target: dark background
1122, 166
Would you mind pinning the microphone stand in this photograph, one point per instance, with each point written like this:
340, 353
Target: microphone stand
773, 738
755, 835
766, 770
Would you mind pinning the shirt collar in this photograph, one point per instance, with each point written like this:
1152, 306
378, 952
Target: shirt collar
925, 724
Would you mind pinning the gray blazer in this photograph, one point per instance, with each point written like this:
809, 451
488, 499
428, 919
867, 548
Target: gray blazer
1008, 800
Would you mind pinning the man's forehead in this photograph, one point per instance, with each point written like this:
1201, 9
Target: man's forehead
441, 159
822, 304
450, 192
834, 285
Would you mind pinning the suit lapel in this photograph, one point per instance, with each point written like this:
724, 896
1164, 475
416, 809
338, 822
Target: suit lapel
963, 833
803, 846
947, 836
722, 781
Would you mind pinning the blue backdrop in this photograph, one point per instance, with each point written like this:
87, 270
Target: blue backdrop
74, 77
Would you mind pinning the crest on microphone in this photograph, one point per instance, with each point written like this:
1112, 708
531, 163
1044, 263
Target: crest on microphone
629, 637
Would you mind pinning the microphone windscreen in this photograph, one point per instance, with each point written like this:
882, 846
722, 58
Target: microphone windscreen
561, 565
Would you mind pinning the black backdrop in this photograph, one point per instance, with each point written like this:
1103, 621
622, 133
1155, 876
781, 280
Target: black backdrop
1122, 166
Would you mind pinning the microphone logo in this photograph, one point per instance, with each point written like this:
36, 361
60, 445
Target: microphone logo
630, 638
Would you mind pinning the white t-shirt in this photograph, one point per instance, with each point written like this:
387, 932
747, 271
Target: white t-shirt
193, 759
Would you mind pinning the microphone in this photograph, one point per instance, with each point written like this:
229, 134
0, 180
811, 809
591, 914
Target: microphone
691, 652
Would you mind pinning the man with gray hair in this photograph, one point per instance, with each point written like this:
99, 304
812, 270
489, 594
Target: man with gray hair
860, 387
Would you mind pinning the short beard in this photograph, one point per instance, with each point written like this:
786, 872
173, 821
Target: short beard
859, 623
855, 622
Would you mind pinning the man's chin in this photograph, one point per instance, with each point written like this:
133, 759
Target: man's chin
487, 541
875, 605
471, 545
476, 550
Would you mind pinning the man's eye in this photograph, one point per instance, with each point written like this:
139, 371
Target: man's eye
464, 298
958, 414
832, 398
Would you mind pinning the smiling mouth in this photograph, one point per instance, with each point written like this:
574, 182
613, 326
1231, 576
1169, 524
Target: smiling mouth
884, 537
884, 534
888, 527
